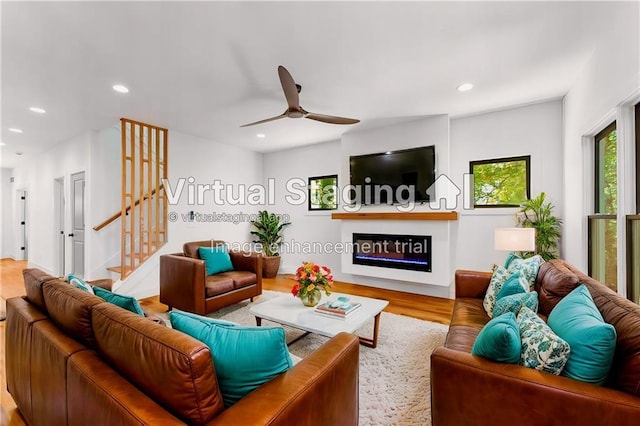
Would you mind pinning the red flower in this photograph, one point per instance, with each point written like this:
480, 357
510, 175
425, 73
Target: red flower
295, 290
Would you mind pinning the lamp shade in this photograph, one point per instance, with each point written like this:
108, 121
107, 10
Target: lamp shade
515, 239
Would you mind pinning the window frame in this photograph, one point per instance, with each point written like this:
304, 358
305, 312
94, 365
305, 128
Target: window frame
310, 207
596, 166
525, 158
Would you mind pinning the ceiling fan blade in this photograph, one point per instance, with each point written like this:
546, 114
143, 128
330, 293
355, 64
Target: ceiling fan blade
289, 88
266, 120
332, 119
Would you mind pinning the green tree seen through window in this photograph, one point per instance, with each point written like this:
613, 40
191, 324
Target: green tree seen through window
500, 182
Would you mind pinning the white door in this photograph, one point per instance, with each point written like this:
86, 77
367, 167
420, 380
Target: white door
77, 224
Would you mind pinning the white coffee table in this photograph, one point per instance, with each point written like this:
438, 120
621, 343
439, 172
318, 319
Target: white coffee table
289, 310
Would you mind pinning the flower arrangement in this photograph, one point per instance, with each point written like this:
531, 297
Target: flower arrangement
312, 278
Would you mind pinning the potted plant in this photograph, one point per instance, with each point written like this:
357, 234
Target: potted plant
268, 233
538, 214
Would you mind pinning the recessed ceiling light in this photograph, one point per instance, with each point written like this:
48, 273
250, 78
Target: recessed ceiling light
14, 130
120, 88
464, 87
260, 135
3, 144
37, 109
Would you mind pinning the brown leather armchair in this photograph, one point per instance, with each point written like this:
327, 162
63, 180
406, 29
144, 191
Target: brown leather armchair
184, 283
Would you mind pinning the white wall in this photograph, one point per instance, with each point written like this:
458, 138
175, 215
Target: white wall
610, 77
534, 130
306, 227
6, 214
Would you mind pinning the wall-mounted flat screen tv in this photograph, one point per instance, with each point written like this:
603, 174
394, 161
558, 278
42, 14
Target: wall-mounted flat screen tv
408, 168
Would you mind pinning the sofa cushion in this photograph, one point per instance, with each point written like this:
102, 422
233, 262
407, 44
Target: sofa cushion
528, 268
33, 280
240, 278
174, 369
499, 340
217, 284
554, 282
125, 302
542, 349
70, 309
577, 320
498, 278
244, 357
216, 259
515, 302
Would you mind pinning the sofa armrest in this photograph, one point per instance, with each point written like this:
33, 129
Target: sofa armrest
472, 283
182, 281
321, 389
467, 389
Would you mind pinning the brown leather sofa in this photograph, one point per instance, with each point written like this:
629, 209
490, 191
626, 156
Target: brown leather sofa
471, 390
184, 283
73, 359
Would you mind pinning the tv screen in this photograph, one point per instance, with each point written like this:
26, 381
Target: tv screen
398, 170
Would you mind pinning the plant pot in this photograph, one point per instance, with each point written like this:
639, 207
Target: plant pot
270, 266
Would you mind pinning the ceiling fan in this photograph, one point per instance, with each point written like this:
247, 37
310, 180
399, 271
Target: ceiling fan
294, 110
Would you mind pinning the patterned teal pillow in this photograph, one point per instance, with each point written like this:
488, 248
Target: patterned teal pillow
542, 349
593, 342
498, 279
511, 256
515, 284
528, 267
515, 302
499, 340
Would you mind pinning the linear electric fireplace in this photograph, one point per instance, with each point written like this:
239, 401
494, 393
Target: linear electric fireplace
411, 252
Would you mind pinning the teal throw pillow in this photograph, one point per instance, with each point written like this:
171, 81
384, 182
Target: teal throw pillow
528, 267
127, 302
216, 259
593, 342
511, 256
499, 340
244, 357
79, 283
498, 279
513, 285
515, 302
542, 349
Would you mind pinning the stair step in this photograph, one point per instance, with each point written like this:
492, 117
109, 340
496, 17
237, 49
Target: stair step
118, 269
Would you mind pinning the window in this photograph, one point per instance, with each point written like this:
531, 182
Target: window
502, 182
322, 192
633, 228
603, 234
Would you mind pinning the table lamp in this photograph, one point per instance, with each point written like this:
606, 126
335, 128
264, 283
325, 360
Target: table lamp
515, 239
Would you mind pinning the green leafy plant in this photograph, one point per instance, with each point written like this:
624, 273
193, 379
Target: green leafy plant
538, 213
268, 232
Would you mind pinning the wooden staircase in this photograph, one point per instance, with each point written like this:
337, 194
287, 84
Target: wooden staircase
143, 214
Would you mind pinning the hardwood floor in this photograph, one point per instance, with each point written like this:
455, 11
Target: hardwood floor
423, 307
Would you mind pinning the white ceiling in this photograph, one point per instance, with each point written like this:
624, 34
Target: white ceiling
206, 68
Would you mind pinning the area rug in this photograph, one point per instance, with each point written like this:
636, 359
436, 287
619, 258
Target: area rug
394, 377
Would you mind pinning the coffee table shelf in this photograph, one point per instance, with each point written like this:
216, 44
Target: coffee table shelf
289, 310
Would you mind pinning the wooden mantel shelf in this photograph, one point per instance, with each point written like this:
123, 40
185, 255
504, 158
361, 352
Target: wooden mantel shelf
396, 216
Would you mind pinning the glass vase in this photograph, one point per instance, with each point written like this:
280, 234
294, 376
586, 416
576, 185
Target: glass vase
311, 298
